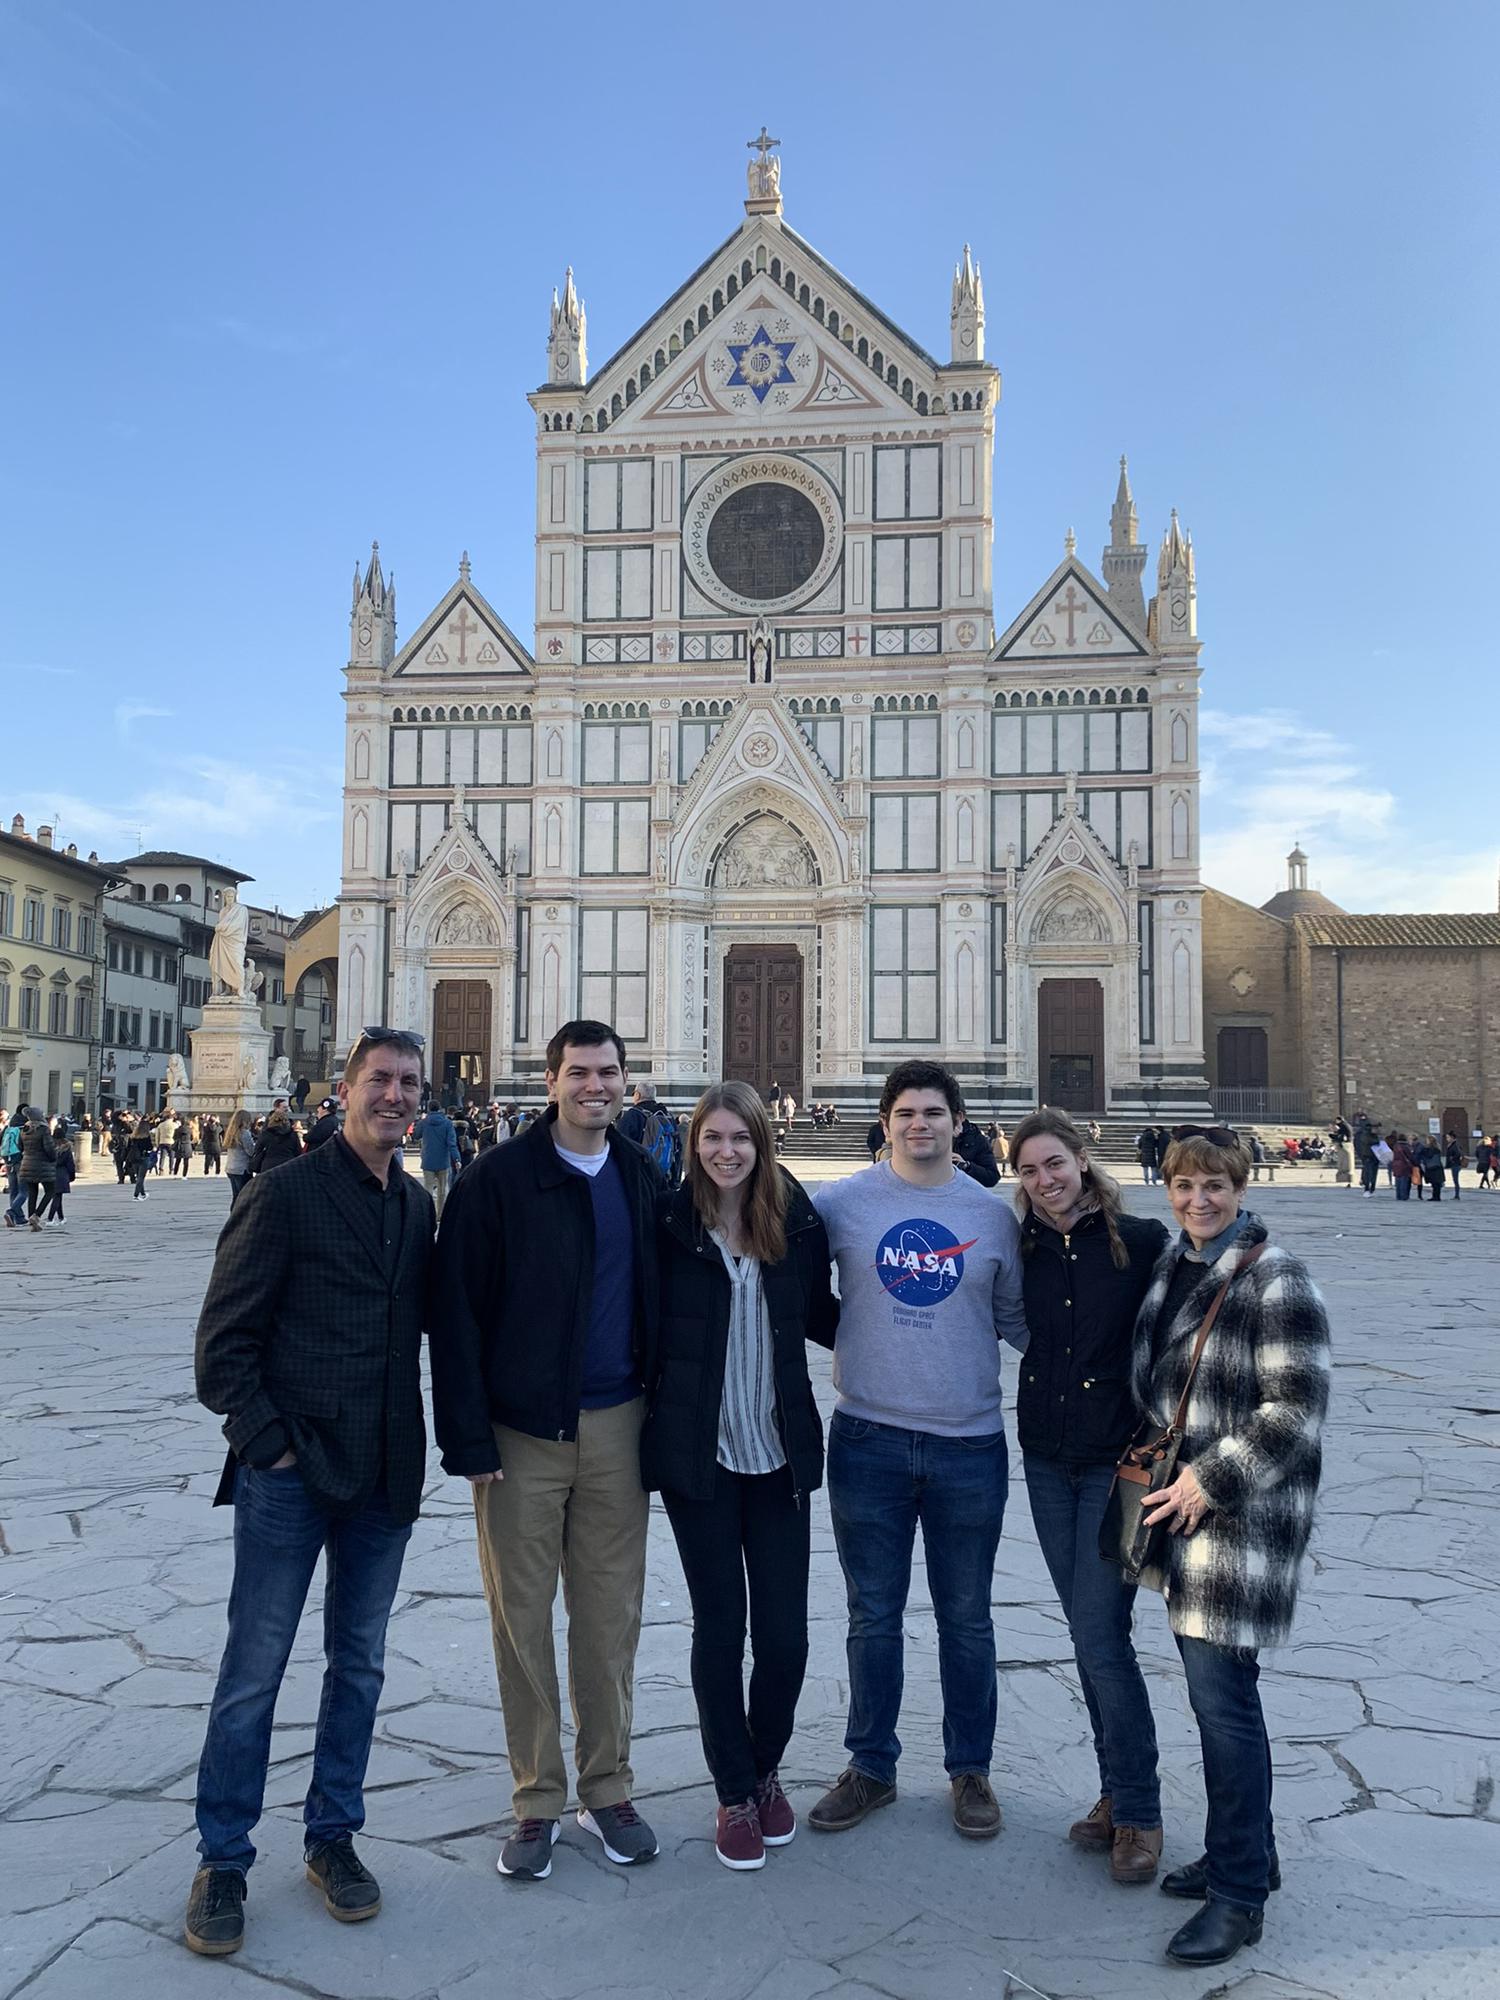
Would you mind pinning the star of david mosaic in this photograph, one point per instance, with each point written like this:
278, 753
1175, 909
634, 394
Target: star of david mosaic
760, 363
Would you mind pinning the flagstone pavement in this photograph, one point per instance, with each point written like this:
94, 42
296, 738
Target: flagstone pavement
1384, 1712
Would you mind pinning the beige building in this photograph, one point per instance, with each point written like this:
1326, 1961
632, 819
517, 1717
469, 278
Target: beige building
51, 959
1310, 1012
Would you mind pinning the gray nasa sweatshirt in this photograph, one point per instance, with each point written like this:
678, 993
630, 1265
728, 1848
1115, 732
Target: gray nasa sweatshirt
929, 1284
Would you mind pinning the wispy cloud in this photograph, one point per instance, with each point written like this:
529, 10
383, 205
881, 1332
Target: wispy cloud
1270, 778
26, 667
128, 713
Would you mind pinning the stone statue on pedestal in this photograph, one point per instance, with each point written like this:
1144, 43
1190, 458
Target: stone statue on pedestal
226, 952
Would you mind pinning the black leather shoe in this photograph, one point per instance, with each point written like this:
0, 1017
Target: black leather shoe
1215, 1933
350, 1891
1192, 1881
215, 1924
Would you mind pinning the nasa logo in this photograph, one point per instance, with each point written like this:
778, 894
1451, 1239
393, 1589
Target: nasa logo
921, 1263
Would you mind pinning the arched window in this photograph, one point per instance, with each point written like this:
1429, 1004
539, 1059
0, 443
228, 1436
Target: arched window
159, 893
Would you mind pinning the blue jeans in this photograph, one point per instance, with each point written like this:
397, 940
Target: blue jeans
881, 1482
1240, 1837
15, 1203
278, 1534
1067, 1507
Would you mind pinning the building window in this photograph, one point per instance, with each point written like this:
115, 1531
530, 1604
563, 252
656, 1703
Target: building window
908, 572
80, 1017
904, 974
616, 584
903, 832
1070, 739
617, 496
617, 753
155, 1041
504, 825
7, 913
693, 739
109, 1026
159, 892
62, 928
166, 1031
134, 1036
612, 969
86, 935
825, 733
523, 975
32, 914
905, 746
4, 1003
908, 482
1145, 920
169, 969
57, 1012
615, 836
998, 1024
31, 1008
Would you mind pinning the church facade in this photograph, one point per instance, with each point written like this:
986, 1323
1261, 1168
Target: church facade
769, 790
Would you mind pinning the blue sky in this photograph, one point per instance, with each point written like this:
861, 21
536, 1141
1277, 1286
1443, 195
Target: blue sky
278, 283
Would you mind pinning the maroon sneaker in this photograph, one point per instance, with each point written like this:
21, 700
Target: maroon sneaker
778, 1823
737, 1838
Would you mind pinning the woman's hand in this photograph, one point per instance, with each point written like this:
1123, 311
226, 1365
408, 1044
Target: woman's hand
1179, 1507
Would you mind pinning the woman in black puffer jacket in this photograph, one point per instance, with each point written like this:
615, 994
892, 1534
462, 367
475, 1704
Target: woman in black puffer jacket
1086, 1266
276, 1145
734, 1443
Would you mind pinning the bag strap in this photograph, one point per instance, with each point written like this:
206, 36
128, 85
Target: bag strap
1180, 1419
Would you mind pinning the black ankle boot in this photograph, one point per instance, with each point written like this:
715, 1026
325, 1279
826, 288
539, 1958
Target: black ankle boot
1192, 1881
1215, 1933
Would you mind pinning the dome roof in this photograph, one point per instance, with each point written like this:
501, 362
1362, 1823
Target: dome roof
1301, 903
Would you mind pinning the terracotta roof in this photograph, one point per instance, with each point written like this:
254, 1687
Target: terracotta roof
166, 857
1457, 931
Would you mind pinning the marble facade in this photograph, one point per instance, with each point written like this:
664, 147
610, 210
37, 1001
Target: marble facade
768, 789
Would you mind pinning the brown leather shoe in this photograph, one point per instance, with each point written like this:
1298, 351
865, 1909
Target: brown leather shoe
976, 1810
1135, 1852
853, 1797
1097, 1831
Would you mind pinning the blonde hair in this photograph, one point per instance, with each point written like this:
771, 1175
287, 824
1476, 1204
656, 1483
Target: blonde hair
763, 1218
1050, 1124
1196, 1153
237, 1125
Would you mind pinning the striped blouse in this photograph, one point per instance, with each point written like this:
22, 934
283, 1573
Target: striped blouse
748, 1438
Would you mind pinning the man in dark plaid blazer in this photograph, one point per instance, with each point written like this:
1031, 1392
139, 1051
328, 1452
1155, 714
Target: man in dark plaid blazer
309, 1346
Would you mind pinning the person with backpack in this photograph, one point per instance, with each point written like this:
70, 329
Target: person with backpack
10, 1157
656, 1131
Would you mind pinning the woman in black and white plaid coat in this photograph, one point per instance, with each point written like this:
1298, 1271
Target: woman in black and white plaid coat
1239, 1512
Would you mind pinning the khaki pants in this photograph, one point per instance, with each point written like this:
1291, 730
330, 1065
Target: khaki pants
435, 1180
577, 1509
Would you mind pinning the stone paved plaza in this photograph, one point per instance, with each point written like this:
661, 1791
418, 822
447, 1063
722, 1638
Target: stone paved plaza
1385, 1713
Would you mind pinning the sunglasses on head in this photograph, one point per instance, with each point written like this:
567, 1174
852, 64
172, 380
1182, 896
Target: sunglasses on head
1216, 1135
393, 1035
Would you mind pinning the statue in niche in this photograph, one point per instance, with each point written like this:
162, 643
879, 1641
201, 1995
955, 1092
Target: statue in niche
760, 653
465, 924
766, 855
1071, 921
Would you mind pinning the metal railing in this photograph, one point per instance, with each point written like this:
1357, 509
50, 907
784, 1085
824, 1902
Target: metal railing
1282, 1106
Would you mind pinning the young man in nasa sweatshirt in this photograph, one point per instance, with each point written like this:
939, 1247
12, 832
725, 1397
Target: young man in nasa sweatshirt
930, 1283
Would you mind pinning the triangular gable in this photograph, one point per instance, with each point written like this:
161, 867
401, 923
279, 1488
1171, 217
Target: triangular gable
461, 860
1069, 846
462, 636
1070, 618
646, 376
758, 741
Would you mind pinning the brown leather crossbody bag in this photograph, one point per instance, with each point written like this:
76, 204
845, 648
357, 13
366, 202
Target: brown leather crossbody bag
1127, 1536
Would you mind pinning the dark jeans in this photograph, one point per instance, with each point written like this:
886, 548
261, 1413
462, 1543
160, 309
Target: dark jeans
882, 1481
55, 1205
1453, 1174
1239, 1836
15, 1200
1403, 1188
142, 1168
752, 1531
278, 1534
1067, 1507
236, 1185
211, 1161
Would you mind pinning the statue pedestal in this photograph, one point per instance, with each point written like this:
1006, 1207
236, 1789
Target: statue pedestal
231, 1060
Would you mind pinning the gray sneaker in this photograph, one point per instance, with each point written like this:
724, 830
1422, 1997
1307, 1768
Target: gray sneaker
528, 1852
623, 1834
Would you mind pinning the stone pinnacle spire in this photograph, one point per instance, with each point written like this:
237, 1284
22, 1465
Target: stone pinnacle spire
1125, 558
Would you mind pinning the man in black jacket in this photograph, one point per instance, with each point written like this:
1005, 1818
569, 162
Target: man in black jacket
309, 1346
974, 1155
542, 1334
325, 1125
